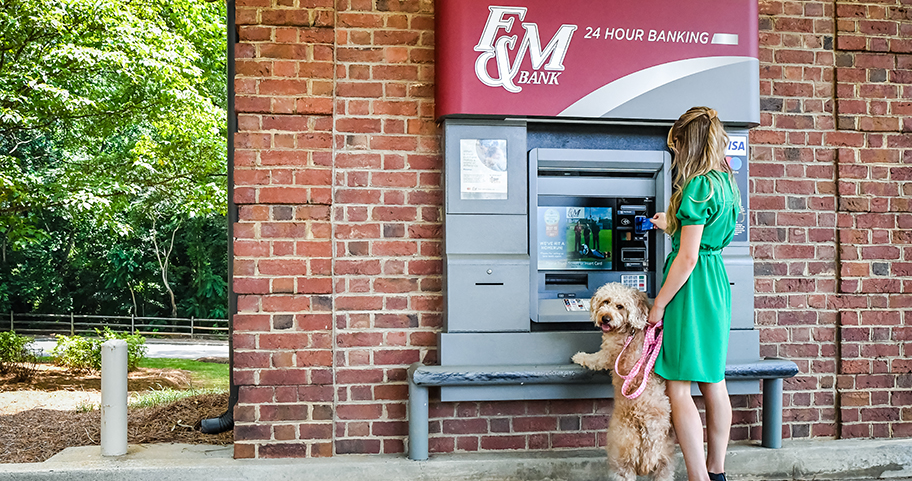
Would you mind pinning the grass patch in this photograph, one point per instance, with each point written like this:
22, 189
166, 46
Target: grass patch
158, 397
204, 375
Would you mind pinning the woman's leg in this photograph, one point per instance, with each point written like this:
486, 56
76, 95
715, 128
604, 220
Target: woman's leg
688, 428
718, 424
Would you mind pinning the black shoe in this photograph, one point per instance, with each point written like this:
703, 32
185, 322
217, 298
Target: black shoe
717, 477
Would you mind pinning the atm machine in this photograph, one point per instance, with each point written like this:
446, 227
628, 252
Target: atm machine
555, 118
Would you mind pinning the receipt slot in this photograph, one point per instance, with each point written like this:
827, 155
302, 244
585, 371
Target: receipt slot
554, 123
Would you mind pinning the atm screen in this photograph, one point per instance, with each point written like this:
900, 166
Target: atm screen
575, 236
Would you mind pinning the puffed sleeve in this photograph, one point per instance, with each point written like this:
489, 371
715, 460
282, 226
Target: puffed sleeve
697, 202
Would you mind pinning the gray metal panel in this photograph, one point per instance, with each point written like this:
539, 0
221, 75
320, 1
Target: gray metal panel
743, 346
737, 99
736, 387
553, 310
564, 391
484, 349
471, 349
597, 160
741, 277
514, 132
486, 234
597, 186
487, 293
515, 393
556, 347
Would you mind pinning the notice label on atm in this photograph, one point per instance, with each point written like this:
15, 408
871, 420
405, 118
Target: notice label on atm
483, 168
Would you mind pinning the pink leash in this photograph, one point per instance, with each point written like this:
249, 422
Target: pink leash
651, 346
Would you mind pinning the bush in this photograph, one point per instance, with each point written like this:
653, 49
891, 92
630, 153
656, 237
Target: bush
17, 356
81, 354
77, 353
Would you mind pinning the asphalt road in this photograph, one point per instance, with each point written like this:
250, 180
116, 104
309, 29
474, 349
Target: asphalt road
175, 349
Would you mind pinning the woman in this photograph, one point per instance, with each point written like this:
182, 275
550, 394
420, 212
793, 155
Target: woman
695, 300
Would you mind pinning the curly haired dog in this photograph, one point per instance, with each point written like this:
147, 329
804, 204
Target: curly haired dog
640, 432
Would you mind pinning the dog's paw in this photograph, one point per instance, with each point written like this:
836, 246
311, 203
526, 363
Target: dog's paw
579, 358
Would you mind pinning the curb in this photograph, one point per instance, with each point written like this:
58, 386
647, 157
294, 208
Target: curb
797, 460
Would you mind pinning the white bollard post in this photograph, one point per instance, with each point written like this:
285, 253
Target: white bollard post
114, 398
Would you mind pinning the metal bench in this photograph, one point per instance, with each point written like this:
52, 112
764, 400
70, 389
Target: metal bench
420, 377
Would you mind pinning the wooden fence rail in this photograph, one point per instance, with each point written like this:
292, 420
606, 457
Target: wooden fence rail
71, 324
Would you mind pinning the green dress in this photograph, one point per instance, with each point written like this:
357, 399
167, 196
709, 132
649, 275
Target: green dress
698, 319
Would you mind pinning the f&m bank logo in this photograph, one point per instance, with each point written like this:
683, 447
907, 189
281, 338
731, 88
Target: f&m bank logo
499, 45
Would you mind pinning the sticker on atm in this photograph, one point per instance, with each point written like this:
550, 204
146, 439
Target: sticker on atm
736, 151
575, 305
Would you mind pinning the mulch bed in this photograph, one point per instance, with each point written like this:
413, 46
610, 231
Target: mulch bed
36, 435
54, 378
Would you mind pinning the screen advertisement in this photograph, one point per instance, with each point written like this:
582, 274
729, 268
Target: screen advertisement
575, 238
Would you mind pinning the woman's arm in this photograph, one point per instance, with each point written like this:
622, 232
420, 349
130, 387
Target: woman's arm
680, 270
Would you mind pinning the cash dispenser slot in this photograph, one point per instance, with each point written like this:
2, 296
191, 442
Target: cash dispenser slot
566, 279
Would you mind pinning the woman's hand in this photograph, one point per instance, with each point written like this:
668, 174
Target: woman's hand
655, 315
659, 220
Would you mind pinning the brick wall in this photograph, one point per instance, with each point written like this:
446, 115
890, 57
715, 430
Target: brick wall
337, 246
283, 331
386, 216
873, 106
831, 212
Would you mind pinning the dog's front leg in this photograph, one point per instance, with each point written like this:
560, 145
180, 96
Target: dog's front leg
597, 361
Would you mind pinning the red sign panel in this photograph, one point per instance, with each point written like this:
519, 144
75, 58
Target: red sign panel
596, 58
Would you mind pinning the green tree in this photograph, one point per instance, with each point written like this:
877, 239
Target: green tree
112, 121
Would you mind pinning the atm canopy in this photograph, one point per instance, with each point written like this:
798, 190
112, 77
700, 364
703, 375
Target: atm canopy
648, 60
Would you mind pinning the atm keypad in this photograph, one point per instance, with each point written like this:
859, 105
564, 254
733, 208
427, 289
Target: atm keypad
636, 281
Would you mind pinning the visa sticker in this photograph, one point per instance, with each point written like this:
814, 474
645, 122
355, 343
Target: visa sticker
737, 146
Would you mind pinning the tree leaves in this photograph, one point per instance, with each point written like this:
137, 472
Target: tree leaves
112, 115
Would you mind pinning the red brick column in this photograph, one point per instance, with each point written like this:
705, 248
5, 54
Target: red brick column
874, 109
793, 223
283, 250
386, 214
831, 213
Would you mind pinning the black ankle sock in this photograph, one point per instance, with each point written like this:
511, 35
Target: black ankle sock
717, 477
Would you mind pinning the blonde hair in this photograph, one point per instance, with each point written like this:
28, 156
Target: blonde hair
702, 140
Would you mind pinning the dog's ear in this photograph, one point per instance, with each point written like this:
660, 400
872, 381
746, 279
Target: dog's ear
640, 314
593, 307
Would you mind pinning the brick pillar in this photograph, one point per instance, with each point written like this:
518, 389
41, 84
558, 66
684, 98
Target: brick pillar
283, 337
793, 223
874, 107
386, 214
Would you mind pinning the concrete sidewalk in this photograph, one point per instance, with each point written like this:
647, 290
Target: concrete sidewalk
797, 460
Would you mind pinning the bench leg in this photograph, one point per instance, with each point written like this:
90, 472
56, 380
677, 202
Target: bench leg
418, 422
772, 413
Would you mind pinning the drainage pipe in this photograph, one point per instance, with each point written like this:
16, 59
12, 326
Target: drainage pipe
114, 398
225, 422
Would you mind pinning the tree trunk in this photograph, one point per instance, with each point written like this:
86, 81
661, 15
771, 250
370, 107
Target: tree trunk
164, 263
